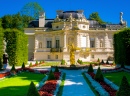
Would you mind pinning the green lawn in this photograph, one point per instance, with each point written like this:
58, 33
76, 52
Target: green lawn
117, 77
51, 64
18, 85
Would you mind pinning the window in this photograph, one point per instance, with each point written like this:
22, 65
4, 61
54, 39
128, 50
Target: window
57, 43
56, 56
49, 57
49, 44
92, 42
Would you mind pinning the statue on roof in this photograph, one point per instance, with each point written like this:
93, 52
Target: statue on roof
57, 19
121, 19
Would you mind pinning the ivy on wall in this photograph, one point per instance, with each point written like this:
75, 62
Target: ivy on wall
16, 47
122, 47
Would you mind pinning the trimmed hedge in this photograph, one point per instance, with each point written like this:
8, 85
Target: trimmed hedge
1, 47
16, 48
122, 46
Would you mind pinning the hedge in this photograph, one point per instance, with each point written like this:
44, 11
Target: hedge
16, 47
122, 46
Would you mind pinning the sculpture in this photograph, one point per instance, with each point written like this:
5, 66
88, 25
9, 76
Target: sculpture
72, 53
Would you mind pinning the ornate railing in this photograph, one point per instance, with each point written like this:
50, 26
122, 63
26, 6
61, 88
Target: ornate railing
56, 50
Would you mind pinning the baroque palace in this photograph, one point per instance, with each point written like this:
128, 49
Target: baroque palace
49, 39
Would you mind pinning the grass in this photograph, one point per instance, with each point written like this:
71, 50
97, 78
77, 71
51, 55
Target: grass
51, 64
87, 81
18, 85
117, 77
61, 85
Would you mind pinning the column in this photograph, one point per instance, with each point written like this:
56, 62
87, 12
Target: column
64, 40
96, 42
44, 42
36, 43
106, 41
87, 41
53, 41
77, 40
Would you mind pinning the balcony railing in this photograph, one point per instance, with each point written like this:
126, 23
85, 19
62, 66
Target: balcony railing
56, 50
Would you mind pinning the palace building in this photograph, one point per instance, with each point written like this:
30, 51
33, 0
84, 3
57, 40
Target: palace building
49, 39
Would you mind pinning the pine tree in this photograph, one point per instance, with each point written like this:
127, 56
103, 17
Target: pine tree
90, 69
99, 75
124, 89
32, 91
23, 66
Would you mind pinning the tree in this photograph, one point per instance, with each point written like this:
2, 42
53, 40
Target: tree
124, 89
31, 9
90, 69
7, 21
32, 91
95, 16
99, 75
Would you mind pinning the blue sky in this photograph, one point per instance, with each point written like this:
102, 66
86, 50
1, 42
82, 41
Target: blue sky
108, 9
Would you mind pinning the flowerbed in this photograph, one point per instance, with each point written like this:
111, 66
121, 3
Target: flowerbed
109, 89
50, 86
3, 75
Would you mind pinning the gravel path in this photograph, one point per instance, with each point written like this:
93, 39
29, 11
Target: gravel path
75, 84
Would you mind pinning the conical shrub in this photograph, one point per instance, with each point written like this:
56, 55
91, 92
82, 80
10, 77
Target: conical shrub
51, 76
99, 75
56, 69
13, 68
32, 91
124, 89
30, 65
23, 66
90, 69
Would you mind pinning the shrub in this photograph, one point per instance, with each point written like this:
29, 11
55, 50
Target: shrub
43, 61
56, 69
13, 68
36, 63
30, 65
90, 69
99, 75
32, 91
23, 66
62, 62
98, 60
51, 76
107, 62
124, 89
80, 61
102, 62
122, 65
40, 62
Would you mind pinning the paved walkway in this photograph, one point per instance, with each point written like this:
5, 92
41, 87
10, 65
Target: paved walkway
75, 84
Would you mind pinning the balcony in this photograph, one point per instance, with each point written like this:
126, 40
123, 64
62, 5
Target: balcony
56, 50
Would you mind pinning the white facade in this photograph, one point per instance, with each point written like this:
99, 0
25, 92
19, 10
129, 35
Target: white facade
52, 43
